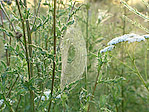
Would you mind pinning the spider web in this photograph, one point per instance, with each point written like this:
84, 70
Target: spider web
74, 56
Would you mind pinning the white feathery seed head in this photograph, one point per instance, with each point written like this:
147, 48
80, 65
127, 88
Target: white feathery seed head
109, 48
129, 38
122, 38
135, 39
146, 36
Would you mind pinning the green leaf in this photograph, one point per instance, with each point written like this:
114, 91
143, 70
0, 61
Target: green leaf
21, 55
17, 48
70, 22
100, 77
64, 28
9, 33
98, 41
45, 3
3, 63
109, 81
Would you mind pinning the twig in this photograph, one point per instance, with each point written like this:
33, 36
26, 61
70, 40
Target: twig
100, 64
39, 3
66, 23
29, 40
27, 54
39, 99
8, 94
96, 82
137, 73
122, 71
30, 56
3, 9
87, 42
4, 37
135, 10
146, 60
18, 103
71, 11
24, 37
54, 60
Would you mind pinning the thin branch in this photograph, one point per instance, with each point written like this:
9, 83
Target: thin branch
8, 94
134, 10
30, 56
54, 60
95, 85
39, 3
4, 11
136, 72
69, 17
27, 55
4, 35
24, 37
136, 24
71, 11
18, 103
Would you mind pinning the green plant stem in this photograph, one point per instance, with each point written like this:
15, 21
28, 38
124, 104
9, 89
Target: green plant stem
4, 35
38, 70
8, 94
40, 98
71, 11
136, 24
146, 60
35, 5
87, 22
87, 43
30, 55
137, 73
4, 11
54, 59
122, 86
140, 76
29, 42
9, 54
134, 10
96, 82
122, 57
116, 108
69, 17
27, 55
36, 14
124, 64
24, 36
18, 103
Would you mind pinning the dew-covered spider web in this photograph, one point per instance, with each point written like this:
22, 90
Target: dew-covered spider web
74, 55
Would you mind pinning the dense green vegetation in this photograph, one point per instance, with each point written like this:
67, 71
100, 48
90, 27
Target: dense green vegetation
74, 57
